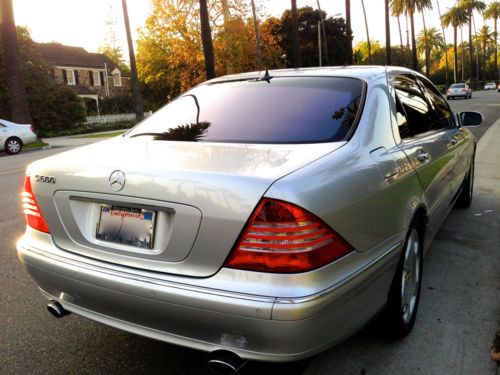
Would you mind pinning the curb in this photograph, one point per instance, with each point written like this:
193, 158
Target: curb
48, 147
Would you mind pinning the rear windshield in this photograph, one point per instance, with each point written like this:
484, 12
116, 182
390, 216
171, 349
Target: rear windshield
279, 110
458, 86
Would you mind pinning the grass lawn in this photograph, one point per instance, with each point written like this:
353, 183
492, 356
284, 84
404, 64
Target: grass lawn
35, 145
102, 135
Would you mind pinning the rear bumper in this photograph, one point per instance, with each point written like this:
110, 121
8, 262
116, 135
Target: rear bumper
254, 327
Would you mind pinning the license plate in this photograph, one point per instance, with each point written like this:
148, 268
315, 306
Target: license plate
127, 226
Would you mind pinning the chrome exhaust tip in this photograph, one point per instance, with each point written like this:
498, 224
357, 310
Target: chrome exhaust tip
56, 309
225, 363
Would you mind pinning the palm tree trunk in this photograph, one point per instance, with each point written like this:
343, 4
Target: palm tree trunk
367, 34
484, 61
407, 32
388, 57
297, 63
444, 39
462, 70
471, 49
400, 33
455, 54
206, 40
136, 88
413, 43
257, 36
16, 89
350, 59
228, 39
427, 53
496, 51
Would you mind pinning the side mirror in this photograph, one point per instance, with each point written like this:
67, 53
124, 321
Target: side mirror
471, 118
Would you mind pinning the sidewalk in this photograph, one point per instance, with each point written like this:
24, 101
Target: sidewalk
75, 140
459, 311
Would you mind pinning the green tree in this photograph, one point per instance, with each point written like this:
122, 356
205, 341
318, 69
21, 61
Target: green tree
52, 107
427, 40
493, 13
470, 6
455, 16
19, 107
308, 18
484, 38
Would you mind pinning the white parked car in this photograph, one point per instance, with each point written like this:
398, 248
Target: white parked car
13, 136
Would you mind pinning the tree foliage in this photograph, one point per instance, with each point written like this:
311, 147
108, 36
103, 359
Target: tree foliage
52, 106
170, 53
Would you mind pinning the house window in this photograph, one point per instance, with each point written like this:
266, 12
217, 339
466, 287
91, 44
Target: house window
117, 78
97, 78
70, 77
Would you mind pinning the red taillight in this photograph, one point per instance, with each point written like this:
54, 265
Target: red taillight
283, 238
449, 90
33, 214
464, 90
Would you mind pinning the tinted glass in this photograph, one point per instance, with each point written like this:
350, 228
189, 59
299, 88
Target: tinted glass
442, 117
413, 107
281, 110
458, 86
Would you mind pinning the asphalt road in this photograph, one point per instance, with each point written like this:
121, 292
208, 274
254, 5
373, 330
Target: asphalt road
455, 322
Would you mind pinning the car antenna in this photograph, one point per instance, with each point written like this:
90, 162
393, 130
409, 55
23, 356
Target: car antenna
266, 77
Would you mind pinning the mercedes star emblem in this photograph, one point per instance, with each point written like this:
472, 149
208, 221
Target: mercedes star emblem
117, 180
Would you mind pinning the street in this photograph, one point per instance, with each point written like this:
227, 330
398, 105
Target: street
459, 310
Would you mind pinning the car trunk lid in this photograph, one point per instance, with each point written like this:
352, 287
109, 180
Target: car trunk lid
201, 194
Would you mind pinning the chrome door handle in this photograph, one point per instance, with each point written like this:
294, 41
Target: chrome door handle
454, 140
422, 155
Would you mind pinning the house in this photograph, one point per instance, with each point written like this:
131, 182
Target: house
89, 75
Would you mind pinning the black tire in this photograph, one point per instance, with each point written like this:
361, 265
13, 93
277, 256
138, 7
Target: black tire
448, 98
399, 317
465, 198
13, 146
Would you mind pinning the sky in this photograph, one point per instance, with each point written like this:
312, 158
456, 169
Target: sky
83, 22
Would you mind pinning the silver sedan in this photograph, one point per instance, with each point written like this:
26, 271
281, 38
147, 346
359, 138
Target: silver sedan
262, 216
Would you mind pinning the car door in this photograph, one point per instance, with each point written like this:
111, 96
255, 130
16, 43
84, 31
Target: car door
426, 139
443, 118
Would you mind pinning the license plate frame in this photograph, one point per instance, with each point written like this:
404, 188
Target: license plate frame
129, 226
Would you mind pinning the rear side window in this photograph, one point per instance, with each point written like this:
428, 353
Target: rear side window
279, 110
413, 113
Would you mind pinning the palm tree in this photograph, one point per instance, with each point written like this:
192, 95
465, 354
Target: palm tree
367, 33
295, 36
206, 40
350, 58
388, 59
427, 40
410, 7
16, 88
444, 39
484, 38
470, 6
323, 31
493, 13
455, 16
136, 88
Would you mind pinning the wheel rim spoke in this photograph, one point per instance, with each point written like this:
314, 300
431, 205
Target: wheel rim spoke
410, 278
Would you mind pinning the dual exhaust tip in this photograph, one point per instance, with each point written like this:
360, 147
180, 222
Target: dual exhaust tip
221, 362
56, 309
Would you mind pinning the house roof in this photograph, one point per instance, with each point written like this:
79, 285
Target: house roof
61, 55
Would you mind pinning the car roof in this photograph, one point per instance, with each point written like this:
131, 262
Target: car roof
365, 72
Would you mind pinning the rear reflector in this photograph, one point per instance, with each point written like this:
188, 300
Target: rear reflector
283, 238
34, 217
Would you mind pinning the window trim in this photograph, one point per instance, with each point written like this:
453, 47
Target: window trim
117, 74
70, 73
97, 82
